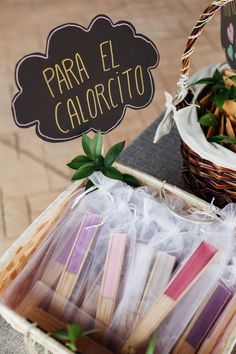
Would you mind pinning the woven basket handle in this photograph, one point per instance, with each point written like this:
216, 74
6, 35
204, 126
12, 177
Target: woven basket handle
197, 30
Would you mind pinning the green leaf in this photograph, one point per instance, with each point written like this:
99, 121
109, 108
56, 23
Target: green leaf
208, 120
62, 335
130, 350
100, 162
75, 332
131, 180
152, 345
113, 153
72, 347
113, 173
84, 171
78, 161
217, 87
206, 80
232, 93
233, 78
217, 75
221, 98
97, 145
222, 139
87, 146
89, 184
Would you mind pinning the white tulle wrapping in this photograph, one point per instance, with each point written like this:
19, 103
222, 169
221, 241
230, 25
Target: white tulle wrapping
222, 235
137, 276
140, 214
46, 253
174, 325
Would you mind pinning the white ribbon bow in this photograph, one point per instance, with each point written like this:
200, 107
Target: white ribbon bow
166, 124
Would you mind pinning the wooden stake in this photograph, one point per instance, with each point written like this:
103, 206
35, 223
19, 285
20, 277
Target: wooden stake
229, 108
230, 131
205, 100
213, 129
222, 126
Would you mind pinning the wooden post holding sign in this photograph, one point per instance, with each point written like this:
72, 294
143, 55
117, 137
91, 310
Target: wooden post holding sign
85, 80
228, 32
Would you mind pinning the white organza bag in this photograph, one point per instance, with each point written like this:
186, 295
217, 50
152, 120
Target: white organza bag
112, 254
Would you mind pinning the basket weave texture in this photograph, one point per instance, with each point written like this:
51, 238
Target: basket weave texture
202, 177
206, 179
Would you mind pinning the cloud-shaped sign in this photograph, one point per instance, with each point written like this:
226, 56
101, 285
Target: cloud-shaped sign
228, 33
85, 80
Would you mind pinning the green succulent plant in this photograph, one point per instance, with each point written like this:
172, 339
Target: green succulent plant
93, 160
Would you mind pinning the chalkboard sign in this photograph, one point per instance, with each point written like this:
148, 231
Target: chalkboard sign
228, 32
85, 80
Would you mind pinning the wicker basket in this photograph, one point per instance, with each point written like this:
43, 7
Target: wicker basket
202, 177
19, 253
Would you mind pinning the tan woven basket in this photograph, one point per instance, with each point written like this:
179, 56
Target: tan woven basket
202, 177
14, 260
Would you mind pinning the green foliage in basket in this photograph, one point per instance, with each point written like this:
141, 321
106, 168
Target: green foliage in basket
73, 332
220, 91
209, 119
71, 335
216, 108
152, 345
222, 139
93, 160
